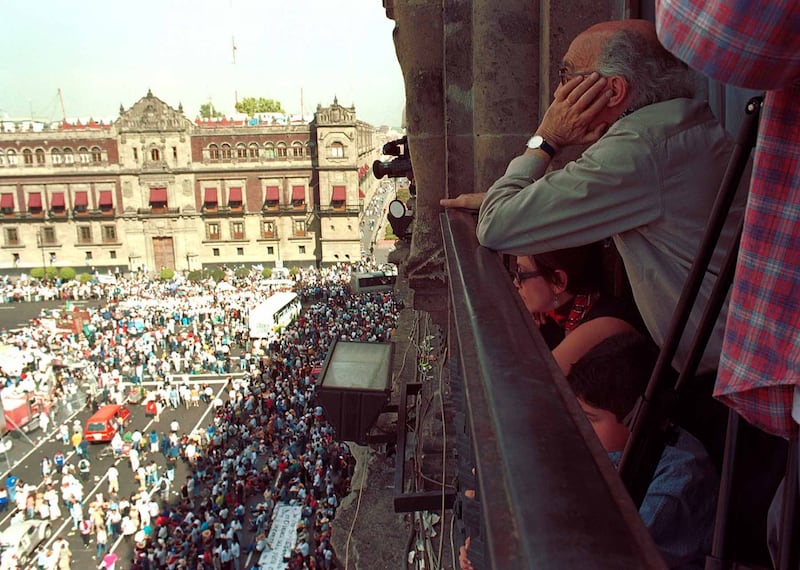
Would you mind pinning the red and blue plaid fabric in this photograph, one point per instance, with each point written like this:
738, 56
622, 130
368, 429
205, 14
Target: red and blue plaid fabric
756, 44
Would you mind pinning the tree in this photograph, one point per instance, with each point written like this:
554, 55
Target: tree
266, 272
207, 111
251, 106
166, 274
66, 273
85, 277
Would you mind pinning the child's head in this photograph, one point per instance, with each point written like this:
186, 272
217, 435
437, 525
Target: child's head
608, 380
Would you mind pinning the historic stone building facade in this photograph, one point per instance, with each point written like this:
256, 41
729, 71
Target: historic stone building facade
153, 189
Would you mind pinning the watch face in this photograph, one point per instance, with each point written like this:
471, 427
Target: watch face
535, 141
397, 208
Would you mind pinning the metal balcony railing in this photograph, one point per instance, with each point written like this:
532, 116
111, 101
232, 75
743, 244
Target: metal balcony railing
546, 495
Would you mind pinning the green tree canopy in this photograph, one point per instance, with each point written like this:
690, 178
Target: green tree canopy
207, 111
251, 106
66, 273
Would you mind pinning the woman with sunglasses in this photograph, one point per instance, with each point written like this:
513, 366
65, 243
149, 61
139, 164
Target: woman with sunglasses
563, 291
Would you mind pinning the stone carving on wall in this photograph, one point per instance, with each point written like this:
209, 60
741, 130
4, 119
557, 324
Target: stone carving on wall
151, 114
335, 114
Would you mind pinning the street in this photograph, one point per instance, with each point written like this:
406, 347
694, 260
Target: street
27, 450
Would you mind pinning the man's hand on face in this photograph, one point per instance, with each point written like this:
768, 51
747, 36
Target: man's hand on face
467, 201
571, 117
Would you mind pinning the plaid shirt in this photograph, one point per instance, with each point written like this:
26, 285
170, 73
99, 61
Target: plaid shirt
756, 48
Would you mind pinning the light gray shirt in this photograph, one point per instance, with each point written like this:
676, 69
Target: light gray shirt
649, 183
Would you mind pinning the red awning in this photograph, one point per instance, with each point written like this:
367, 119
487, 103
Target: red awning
272, 194
57, 200
7, 201
235, 196
339, 194
361, 194
210, 196
298, 193
35, 201
81, 198
106, 199
158, 195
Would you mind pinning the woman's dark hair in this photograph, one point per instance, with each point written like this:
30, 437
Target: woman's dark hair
583, 266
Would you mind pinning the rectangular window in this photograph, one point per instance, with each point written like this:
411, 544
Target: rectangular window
12, 236
281, 151
158, 198
7, 203
235, 197
297, 151
210, 199
109, 234
268, 229
112, 254
35, 203
57, 203
272, 198
301, 249
89, 256
270, 250
106, 201
299, 228
97, 155
135, 153
239, 251
298, 197
237, 230
81, 201
241, 151
215, 252
338, 197
212, 231
48, 235
84, 234
175, 152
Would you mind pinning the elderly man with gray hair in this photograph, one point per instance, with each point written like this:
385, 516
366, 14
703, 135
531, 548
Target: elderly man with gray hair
648, 179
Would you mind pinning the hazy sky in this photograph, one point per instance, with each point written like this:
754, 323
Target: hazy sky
105, 53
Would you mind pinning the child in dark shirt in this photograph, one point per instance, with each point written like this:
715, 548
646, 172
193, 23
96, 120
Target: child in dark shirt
680, 504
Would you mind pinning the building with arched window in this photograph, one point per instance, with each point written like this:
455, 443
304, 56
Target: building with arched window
153, 189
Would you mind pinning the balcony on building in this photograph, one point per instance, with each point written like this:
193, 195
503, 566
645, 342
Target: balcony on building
158, 204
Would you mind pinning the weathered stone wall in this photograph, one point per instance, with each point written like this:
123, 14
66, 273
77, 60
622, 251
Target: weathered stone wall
478, 76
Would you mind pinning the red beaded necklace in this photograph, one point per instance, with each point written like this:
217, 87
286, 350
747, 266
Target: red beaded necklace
580, 306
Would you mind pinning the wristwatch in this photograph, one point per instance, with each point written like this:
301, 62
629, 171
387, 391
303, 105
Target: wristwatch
536, 141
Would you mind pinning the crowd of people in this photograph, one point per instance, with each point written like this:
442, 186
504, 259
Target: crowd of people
269, 443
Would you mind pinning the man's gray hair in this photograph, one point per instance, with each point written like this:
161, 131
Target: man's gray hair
653, 74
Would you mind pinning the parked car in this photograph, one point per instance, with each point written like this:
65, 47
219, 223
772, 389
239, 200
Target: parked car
19, 540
